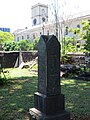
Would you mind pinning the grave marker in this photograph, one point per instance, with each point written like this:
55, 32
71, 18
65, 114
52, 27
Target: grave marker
49, 103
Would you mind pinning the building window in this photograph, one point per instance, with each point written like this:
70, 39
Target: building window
34, 36
47, 32
22, 37
66, 32
27, 36
78, 26
43, 19
40, 33
43, 12
17, 38
34, 21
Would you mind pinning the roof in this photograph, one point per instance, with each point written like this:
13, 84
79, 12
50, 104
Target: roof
39, 4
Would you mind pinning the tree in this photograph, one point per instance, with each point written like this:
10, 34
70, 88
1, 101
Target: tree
87, 36
61, 17
35, 44
53, 6
24, 45
9, 46
6, 37
83, 34
69, 45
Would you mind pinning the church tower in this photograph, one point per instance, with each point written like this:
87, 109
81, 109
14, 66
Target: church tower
39, 14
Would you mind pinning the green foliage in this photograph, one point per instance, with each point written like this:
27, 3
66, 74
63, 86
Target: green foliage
82, 34
70, 44
85, 25
23, 45
3, 79
77, 31
87, 44
35, 44
6, 37
86, 35
9, 46
70, 29
65, 59
8, 43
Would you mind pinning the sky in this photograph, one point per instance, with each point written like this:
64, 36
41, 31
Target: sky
16, 14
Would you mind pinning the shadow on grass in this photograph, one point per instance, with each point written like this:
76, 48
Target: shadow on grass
17, 98
77, 98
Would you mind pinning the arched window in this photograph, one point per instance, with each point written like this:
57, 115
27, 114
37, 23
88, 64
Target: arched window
34, 21
43, 19
22, 37
78, 26
27, 36
66, 32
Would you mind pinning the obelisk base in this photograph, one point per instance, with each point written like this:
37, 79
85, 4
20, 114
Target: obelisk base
37, 115
48, 108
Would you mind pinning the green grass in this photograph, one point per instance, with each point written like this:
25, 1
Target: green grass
17, 96
77, 95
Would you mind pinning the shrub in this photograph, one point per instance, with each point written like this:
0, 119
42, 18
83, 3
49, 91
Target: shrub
2, 79
66, 59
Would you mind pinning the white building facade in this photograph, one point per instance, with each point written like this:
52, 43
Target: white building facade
39, 14
41, 25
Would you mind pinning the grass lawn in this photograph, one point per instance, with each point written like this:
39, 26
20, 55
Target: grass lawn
17, 96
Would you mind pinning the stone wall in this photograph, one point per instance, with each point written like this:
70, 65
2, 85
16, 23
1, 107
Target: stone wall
8, 59
13, 59
81, 58
28, 56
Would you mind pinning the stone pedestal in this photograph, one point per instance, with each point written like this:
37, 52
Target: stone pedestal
48, 108
38, 115
49, 103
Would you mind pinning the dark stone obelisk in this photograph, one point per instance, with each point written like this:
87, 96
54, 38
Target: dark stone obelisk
49, 103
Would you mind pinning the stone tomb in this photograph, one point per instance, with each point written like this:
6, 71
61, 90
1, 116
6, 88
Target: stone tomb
49, 103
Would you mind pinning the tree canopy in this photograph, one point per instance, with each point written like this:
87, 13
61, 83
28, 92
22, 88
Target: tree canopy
22, 45
6, 37
82, 34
